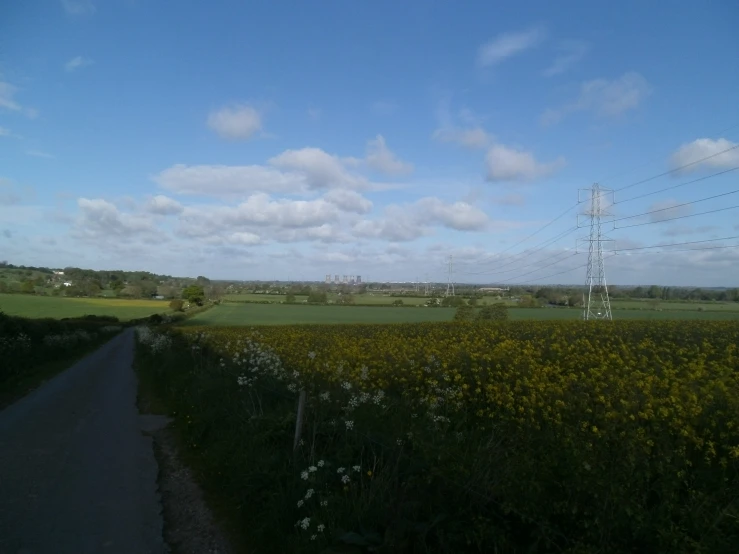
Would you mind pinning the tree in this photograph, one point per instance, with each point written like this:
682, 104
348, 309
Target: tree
176, 305
453, 301
27, 287
290, 298
397, 302
194, 294
346, 299
465, 312
494, 312
316, 297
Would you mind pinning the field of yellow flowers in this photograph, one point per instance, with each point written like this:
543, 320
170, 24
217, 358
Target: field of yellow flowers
464, 437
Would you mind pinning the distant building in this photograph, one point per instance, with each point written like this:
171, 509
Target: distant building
359, 279
336, 278
58, 273
67, 283
328, 278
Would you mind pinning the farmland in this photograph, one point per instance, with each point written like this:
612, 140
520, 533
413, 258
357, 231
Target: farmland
228, 314
55, 307
517, 437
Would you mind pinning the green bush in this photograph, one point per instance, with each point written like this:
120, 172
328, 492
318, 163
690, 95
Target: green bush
494, 312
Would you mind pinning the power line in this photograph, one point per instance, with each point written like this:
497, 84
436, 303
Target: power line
678, 185
678, 217
540, 229
676, 206
613, 176
690, 249
539, 269
527, 252
675, 244
677, 168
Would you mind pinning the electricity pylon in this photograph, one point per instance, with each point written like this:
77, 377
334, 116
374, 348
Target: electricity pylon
450, 283
597, 305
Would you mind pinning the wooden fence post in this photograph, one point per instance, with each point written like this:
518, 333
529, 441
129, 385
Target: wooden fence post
299, 420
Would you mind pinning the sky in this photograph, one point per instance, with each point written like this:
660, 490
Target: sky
290, 140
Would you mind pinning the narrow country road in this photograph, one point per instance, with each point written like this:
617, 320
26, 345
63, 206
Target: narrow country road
77, 475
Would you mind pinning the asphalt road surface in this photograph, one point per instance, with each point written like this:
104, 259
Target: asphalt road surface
77, 475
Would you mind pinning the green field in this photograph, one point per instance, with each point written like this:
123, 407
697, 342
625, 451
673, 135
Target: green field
48, 306
229, 314
283, 314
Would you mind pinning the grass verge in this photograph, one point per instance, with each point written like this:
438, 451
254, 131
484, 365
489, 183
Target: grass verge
16, 387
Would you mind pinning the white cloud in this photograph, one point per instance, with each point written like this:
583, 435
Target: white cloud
163, 205
8, 101
79, 7
505, 163
508, 44
297, 172
380, 158
703, 148
229, 180
101, 220
571, 52
349, 201
236, 122
604, 98
320, 169
464, 129
260, 210
77, 63
390, 228
243, 238
460, 216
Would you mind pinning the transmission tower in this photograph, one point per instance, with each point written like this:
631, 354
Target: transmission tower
426, 286
596, 304
450, 282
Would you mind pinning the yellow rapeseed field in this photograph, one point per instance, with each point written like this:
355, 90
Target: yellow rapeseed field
607, 436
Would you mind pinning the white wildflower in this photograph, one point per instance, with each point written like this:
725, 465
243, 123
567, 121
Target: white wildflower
357, 468
304, 476
320, 528
345, 479
324, 503
313, 537
341, 470
312, 469
320, 463
349, 425
311, 355
305, 523
300, 503
309, 494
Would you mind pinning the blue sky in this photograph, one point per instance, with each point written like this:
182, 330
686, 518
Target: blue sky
296, 139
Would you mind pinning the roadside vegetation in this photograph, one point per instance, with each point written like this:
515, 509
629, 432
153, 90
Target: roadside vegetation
34, 350
457, 437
